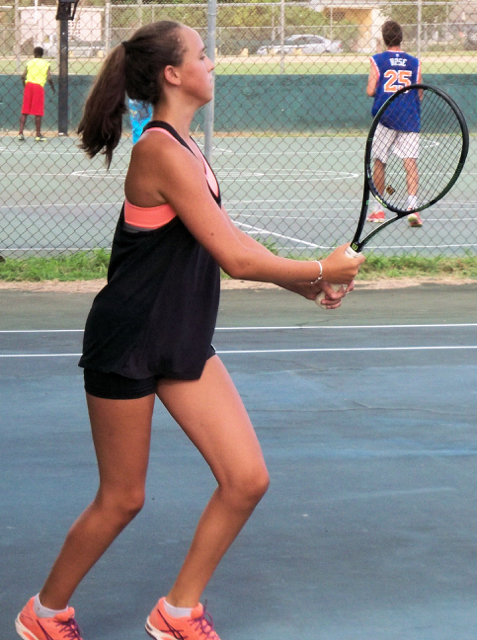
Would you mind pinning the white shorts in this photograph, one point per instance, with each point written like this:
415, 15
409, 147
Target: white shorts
404, 144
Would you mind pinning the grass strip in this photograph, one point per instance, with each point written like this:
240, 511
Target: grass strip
417, 266
452, 62
93, 265
89, 265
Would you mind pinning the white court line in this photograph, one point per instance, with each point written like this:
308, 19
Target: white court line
283, 202
346, 349
325, 200
42, 331
314, 217
458, 245
224, 175
286, 328
71, 205
353, 327
272, 154
278, 235
40, 355
265, 351
26, 249
269, 180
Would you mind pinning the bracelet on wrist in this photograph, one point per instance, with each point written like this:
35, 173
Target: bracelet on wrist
320, 275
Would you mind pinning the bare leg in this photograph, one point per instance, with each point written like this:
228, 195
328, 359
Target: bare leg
379, 176
121, 433
38, 126
23, 118
211, 413
412, 176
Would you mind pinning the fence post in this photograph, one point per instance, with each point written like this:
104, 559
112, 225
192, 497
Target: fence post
282, 36
17, 34
209, 108
419, 27
63, 80
107, 27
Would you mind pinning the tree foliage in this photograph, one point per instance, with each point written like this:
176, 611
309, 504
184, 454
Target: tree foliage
407, 14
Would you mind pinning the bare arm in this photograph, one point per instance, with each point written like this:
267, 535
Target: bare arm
372, 81
161, 171
308, 290
23, 76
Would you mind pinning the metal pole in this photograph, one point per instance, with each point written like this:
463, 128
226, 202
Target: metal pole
419, 27
63, 80
107, 27
139, 13
282, 36
17, 34
209, 108
35, 18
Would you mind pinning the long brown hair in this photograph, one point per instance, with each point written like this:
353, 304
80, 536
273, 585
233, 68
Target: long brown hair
134, 67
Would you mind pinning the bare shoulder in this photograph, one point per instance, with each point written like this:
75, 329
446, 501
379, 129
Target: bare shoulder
155, 149
159, 164
154, 145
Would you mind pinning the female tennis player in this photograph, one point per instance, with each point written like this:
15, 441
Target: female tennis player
149, 331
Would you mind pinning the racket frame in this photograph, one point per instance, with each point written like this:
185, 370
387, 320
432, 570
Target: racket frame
369, 187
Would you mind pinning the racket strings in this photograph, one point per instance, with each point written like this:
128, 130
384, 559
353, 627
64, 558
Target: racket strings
431, 156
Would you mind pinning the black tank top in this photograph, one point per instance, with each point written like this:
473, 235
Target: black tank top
157, 313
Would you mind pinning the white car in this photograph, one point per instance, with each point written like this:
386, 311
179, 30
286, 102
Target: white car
307, 44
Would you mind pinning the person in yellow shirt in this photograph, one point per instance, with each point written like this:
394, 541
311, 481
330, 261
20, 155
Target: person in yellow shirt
34, 78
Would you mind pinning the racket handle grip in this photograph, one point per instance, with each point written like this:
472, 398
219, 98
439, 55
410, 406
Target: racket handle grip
351, 253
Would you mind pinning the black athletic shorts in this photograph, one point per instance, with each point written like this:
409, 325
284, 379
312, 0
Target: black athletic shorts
116, 387
113, 386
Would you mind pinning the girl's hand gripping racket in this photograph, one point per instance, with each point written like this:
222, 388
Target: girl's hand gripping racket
415, 151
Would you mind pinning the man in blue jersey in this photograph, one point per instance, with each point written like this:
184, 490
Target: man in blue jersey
399, 133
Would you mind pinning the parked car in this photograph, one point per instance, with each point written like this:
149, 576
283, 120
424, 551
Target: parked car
76, 48
307, 44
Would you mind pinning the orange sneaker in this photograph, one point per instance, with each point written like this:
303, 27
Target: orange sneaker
377, 216
62, 627
162, 626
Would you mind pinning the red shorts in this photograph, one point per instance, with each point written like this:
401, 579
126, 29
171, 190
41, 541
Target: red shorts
33, 100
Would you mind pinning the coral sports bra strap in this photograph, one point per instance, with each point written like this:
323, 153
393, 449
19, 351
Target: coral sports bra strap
164, 127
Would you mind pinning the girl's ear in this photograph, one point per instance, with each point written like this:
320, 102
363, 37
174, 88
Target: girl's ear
171, 75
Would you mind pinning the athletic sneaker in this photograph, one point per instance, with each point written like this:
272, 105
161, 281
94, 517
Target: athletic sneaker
40, 139
415, 220
162, 626
377, 216
62, 627
21, 137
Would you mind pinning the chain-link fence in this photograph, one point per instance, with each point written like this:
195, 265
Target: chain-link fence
290, 120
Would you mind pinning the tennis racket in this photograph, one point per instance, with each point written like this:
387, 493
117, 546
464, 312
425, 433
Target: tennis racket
426, 160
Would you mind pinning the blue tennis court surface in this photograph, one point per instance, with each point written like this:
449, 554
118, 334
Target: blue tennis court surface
367, 420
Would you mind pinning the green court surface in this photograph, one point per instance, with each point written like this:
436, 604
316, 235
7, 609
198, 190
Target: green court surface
302, 194
366, 416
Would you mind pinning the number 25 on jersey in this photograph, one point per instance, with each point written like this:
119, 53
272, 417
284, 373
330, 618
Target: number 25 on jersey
396, 80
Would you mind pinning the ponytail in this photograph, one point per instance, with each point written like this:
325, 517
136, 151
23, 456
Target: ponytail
134, 67
102, 122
